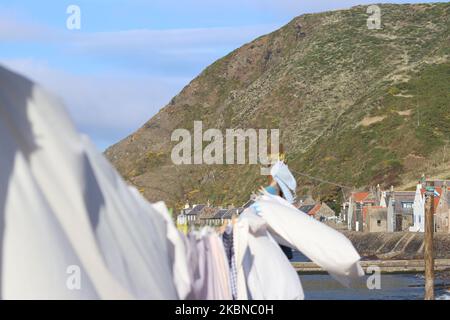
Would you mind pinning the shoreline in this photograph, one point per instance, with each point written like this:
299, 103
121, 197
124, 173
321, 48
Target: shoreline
386, 266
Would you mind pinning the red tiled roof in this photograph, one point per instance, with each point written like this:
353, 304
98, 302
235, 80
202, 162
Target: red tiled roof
360, 196
315, 209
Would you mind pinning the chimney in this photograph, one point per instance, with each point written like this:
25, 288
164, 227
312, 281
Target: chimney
378, 194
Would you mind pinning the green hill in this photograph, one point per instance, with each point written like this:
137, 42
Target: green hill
354, 106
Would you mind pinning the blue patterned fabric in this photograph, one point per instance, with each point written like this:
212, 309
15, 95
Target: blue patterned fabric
227, 238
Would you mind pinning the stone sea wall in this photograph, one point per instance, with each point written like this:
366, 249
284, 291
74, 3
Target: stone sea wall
397, 245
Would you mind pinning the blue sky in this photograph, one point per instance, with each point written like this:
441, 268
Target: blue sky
131, 57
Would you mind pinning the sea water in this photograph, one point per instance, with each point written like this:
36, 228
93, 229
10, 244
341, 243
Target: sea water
393, 287
399, 286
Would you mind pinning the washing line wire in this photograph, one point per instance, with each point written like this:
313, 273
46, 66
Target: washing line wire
322, 180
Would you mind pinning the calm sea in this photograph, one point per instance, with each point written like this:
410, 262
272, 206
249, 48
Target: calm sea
393, 287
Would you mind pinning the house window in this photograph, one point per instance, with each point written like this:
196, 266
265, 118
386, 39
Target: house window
379, 223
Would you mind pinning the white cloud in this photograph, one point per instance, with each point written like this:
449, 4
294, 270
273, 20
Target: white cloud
169, 38
110, 105
14, 27
173, 51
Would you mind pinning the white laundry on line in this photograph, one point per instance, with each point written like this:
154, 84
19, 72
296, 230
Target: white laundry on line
62, 204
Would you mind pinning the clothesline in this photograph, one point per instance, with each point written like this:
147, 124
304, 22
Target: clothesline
255, 238
322, 180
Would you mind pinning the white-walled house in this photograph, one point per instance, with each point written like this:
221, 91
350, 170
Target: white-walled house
441, 205
418, 211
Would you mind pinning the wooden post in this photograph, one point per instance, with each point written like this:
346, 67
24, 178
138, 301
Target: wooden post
428, 254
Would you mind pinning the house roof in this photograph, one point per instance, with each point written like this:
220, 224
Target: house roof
310, 209
306, 209
207, 213
407, 196
362, 197
400, 198
326, 211
220, 214
315, 209
197, 208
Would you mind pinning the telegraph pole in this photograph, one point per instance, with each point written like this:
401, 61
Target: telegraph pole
428, 254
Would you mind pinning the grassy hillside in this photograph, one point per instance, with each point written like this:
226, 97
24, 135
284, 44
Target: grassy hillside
354, 106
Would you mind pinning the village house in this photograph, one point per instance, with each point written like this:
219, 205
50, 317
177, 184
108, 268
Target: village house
319, 211
310, 209
204, 214
441, 205
418, 210
397, 204
216, 219
442, 213
355, 211
376, 219
325, 213
207, 216
400, 210
392, 211
189, 214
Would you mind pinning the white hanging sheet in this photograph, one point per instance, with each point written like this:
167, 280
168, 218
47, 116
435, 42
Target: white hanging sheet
263, 270
323, 245
62, 204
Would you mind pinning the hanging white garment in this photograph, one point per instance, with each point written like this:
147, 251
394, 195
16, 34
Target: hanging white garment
209, 267
63, 208
199, 267
219, 273
263, 271
323, 245
177, 248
